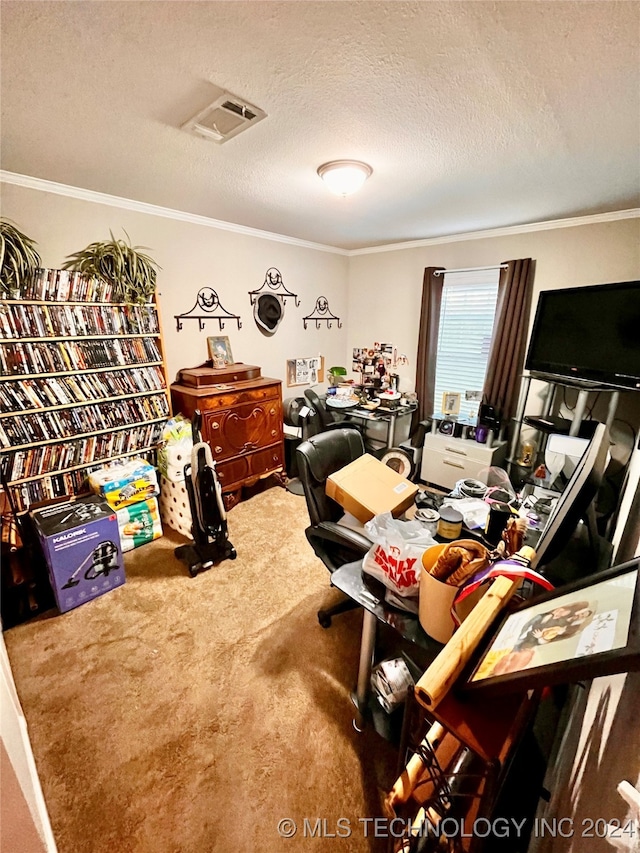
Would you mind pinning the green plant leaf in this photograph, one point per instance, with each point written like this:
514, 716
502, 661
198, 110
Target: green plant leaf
19, 259
133, 275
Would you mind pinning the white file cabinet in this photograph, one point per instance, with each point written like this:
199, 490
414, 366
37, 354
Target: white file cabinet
446, 460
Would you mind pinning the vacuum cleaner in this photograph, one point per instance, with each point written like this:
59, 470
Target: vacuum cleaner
210, 544
100, 561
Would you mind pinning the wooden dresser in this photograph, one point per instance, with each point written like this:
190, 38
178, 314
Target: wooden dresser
241, 421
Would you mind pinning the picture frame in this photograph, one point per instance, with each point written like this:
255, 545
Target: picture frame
305, 371
582, 630
219, 351
451, 403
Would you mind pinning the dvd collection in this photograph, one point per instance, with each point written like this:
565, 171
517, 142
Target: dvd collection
32, 462
42, 321
40, 393
64, 482
44, 426
107, 400
67, 286
30, 358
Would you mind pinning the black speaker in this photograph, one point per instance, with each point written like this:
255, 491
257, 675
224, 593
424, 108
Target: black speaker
449, 427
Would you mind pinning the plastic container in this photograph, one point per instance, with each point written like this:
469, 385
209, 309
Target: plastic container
449, 523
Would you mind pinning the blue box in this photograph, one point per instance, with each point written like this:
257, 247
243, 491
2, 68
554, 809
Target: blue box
81, 544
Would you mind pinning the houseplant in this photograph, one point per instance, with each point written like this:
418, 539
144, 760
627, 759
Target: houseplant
18, 260
131, 273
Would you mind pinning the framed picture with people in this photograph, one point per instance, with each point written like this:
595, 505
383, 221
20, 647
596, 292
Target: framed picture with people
219, 351
580, 631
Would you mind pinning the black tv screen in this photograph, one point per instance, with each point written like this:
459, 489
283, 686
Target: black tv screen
590, 334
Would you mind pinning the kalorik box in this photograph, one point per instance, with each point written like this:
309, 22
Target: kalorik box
81, 544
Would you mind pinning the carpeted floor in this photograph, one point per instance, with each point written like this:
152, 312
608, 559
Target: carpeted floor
180, 715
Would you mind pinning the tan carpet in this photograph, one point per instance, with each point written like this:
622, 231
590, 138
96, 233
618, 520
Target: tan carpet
180, 715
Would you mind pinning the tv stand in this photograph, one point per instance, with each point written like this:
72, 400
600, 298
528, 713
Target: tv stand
545, 422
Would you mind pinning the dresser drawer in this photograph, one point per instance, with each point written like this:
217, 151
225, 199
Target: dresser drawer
234, 472
446, 463
243, 429
228, 401
464, 448
265, 460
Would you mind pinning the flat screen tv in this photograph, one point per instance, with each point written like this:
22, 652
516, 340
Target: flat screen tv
588, 334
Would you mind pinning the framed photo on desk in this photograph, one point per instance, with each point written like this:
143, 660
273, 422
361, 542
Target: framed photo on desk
581, 631
219, 351
450, 403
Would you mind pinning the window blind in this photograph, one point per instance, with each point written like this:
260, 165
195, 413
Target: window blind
464, 335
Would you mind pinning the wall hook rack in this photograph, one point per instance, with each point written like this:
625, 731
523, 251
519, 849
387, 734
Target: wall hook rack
207, 307
321, 313
273, 284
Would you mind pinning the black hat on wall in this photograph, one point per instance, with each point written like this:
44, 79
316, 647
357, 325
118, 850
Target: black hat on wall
268, 312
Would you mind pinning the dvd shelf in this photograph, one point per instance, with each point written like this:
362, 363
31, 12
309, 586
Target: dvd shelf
82, 381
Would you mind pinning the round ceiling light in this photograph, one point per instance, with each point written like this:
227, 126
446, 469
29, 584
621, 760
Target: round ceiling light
344, 177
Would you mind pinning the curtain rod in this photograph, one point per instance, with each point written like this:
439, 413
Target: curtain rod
473, 269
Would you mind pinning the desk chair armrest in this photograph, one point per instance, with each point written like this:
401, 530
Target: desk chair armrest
336, 544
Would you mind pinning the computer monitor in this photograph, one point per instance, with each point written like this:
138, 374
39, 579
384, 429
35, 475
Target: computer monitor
573, 504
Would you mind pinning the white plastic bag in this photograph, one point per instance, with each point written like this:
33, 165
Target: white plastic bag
175, 450
395, 558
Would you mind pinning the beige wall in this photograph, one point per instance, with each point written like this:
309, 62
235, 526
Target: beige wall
376, 294
193, 256
23, 812
385, 287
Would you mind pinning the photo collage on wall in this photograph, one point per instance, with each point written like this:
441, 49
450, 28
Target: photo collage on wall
373, 362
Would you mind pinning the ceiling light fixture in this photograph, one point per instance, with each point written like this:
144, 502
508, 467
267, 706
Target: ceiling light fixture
344, 177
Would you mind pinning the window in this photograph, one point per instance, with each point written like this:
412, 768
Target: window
464, 336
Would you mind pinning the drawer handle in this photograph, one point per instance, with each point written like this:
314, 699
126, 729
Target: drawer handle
218, 449
249, 445
272, 412
456, 450
276, 458
220, 475
453, 464
274, 432
215, 425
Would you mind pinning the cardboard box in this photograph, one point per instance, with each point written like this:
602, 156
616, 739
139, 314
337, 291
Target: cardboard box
81, 544
366, 487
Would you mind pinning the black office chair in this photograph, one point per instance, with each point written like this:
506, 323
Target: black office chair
318, 457
322, 418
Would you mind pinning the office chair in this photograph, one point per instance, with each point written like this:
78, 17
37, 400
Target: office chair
322, 418
318, 457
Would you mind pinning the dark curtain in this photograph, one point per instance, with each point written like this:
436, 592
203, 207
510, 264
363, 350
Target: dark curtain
502, 383
428, 340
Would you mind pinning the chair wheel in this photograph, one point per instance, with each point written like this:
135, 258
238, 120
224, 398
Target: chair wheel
324, 619
233, 554
193, 570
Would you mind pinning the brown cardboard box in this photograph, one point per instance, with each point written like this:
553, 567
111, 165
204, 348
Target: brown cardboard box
367, 487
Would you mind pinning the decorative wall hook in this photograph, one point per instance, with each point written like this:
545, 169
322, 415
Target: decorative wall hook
321, 313
207, 307
273, 284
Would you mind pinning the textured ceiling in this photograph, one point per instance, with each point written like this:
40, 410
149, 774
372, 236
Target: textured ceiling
473, 115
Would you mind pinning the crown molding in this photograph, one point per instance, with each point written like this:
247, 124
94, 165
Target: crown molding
507, 231
155, 210
182, 216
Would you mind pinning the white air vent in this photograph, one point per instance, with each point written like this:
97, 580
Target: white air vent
226, 117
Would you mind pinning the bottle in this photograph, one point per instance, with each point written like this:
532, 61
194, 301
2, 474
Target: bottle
527, 454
